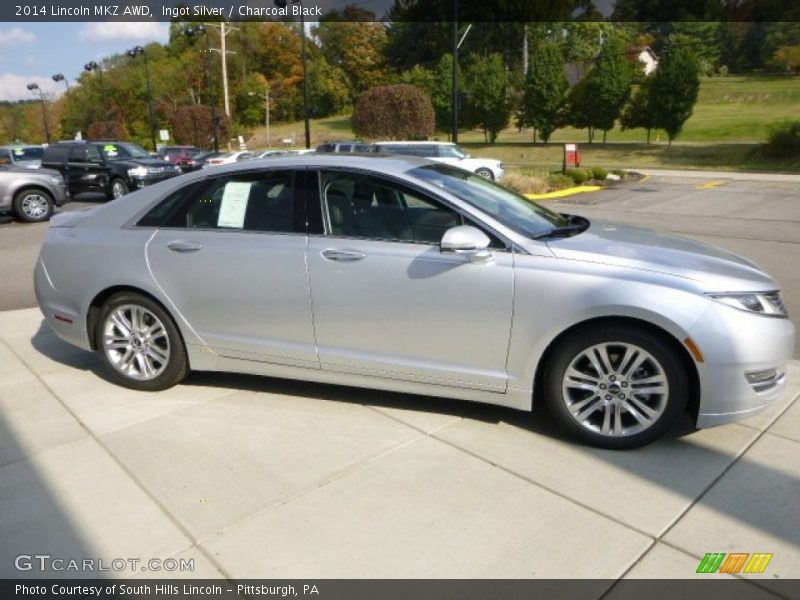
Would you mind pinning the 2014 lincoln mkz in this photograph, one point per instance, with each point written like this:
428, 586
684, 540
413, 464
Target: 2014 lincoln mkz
412, 276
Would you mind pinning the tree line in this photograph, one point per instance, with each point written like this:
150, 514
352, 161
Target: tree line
510, 73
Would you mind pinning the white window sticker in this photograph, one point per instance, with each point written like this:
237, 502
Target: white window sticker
234, 204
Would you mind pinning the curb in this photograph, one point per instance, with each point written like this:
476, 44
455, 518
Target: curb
583, 189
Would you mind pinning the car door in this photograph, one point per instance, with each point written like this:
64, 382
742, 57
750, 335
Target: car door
85, 169
231, 258
388, 302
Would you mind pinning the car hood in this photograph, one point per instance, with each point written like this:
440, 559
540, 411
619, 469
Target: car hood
621, 245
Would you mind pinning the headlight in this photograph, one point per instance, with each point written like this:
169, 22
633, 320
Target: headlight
138, 172
768, 304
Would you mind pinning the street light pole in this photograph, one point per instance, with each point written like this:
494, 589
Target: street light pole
283, 4
212, 100
94, 67
34, 87
454, 127
133, 53
60, 77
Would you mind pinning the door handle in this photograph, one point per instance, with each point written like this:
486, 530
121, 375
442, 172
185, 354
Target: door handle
343, 255
178, 246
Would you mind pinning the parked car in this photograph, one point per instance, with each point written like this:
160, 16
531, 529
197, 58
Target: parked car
21, 155
31, 195
445, 152
271, 153
183, 156
107, 167
408, 275
228, 158
200, 159
345, 146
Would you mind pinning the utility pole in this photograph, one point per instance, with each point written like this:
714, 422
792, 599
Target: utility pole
224, 31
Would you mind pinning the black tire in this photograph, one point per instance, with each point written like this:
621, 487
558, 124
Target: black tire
117, 188
33, 205
175, 367
484, 172
662, 355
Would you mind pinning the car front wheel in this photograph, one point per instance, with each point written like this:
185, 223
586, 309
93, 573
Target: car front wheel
140, 344
33, 205
484, 172
616, 386
118, 188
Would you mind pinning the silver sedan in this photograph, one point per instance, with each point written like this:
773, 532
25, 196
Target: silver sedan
412, 276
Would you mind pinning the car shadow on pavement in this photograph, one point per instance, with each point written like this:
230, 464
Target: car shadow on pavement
34, 521
671, 463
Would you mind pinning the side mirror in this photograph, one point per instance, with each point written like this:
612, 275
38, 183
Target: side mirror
468, 241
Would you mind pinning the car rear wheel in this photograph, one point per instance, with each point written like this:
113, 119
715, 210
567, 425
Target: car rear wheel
140, 344
118, 188
616, 386
484, 172
33, 205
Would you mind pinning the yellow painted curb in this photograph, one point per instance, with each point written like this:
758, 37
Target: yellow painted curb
709, 185
564, 193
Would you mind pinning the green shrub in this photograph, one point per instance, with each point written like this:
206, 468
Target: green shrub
784, 140
579, 176
524, 184
558, 181
395, 112
599, 173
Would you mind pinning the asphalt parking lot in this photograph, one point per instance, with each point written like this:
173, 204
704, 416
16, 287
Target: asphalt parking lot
256, 477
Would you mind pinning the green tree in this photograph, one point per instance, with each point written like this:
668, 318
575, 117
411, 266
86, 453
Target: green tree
597, 101
545, 89
353, 40
639, 113
487, 86
328, 93
673, 90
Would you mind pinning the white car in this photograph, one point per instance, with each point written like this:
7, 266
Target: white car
445, 152
228, 158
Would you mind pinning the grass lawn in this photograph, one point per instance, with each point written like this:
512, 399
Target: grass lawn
732, 117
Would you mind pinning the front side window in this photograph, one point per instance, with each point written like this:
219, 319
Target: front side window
250, 202
116, 151
509, 208
364, 206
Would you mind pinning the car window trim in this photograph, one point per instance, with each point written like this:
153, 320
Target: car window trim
471, 220
203, 183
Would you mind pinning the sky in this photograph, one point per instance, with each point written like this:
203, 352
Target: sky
34, 52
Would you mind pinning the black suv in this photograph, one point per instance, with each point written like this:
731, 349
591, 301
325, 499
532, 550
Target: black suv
110, 168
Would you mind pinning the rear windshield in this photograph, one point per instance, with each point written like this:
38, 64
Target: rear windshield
20, 153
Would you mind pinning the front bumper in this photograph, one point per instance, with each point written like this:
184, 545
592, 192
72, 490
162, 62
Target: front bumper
142, 182
737, 345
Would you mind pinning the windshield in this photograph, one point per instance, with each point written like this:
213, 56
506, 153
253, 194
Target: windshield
20, 153
509, 208
452, 151
126, 150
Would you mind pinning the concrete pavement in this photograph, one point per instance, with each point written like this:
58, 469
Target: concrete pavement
256, 477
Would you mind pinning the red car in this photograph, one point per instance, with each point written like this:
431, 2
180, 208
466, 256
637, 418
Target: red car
183, 156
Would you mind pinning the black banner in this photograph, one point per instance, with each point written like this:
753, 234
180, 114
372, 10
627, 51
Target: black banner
401, 10
713, 588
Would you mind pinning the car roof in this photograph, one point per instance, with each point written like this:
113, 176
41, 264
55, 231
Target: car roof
420, 143
374, 162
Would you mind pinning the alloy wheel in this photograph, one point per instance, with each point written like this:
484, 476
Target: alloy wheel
34, 206
136, 342
615, 389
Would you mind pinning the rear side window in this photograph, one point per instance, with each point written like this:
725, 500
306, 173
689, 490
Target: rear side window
264, 201
77, 154
56, 154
